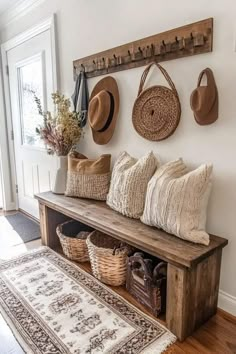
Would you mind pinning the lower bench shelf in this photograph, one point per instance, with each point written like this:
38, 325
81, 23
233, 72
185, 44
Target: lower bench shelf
193, 271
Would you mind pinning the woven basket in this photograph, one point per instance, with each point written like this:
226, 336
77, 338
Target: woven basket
72, 235
108, 258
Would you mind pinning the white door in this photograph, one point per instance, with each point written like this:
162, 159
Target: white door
30, 67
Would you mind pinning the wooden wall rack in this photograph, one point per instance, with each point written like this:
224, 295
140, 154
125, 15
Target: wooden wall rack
192, 39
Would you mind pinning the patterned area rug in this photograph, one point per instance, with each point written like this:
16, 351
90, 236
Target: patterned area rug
53, 306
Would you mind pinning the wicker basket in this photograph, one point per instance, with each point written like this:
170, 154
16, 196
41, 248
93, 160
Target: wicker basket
72, 235
108, 258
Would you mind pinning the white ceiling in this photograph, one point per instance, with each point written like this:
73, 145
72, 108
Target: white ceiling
6, 4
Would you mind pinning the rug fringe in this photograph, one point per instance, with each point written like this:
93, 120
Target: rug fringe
160, 345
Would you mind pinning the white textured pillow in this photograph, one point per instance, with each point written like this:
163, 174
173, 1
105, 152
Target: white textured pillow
176, 201
129, 183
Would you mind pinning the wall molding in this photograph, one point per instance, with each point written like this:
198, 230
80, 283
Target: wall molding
227, 302
21, 8
28, 34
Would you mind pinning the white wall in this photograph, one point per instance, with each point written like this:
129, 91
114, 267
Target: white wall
86, 27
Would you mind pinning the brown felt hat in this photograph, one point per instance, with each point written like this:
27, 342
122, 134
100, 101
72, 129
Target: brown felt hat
103, 110
204, 99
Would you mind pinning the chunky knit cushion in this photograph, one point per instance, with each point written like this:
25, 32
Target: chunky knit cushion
129, 183
176, 201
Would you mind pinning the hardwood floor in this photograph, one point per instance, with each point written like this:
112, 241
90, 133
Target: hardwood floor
217, 336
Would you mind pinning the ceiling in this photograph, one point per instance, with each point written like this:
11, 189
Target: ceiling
6, 4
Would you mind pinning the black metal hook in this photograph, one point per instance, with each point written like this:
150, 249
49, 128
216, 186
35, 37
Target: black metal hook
139, 48
114, 56
176, 39
129, 53
191, 36
163, 42
82, 68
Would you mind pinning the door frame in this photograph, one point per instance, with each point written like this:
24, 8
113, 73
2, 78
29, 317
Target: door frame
7, 154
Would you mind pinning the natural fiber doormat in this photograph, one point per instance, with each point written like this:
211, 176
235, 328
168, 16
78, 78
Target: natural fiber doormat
52, 306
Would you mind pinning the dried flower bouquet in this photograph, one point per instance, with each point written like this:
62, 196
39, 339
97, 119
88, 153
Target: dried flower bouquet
60, 131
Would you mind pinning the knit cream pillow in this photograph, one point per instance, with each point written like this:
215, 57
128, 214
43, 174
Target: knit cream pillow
129, 183
176, 201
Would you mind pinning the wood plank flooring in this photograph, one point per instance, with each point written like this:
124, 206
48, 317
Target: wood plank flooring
217, 336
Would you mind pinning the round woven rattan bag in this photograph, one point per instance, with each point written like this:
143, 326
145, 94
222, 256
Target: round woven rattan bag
156, 111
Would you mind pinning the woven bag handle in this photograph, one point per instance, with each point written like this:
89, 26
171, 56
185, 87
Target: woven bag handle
163, 71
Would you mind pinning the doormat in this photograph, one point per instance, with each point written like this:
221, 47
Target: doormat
53, 306
16, 229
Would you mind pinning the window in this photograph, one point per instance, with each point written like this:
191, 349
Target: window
30, 76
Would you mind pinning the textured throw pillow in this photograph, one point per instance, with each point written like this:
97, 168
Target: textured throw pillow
88, 178
176, 201
129, 183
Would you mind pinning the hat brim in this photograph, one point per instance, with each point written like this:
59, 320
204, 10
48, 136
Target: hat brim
210, 117
109, 84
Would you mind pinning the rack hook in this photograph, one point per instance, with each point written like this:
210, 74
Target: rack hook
139, 48
129, 52
82, 68
114, 56
176, 39
163, 42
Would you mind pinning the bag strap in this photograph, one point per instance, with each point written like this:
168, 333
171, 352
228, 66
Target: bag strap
163, 71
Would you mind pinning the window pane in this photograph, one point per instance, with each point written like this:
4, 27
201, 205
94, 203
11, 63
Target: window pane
31, 81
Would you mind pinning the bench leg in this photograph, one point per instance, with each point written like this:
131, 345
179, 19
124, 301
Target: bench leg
192, 295
49, 219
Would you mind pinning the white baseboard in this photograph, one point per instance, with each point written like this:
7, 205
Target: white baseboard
227, 302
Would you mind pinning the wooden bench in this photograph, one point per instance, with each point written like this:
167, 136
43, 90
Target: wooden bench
193, 270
